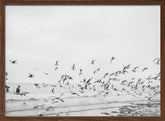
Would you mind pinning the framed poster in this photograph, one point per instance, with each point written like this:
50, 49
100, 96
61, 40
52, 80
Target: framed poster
82, 60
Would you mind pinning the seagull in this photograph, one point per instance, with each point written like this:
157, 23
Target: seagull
149, 98
80, 72
7, 88
112, 74
129, 84
56, 63
113, 58
132, 78
36, 85
98, 69
31, 75
117, 73
73, 67
93, 61
127, 67
49, 108
75, 93
13, 61
70, 77
89, 80
105, 113
59, 99
148, 78
24, 94
56, 68
134, 70
36, 68
123, 89
94, 72
18, 89
124, 71
123, 82
144, 69
46, 73
36, 107
53, 90
106, 74
41, 114
157, 61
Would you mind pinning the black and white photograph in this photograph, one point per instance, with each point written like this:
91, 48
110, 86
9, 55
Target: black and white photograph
82, 60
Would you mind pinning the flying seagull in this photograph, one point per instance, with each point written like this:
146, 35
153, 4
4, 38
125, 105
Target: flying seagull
46, 73
73, 67
80, 72
74, 93
36, 84
56, 68
56, 63
157, 61
144, 69
31, 75
113, 58
13, 61
134, 70
93, 61
59, 99
94, 72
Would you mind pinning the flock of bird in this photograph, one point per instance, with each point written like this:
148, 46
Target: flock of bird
107, 84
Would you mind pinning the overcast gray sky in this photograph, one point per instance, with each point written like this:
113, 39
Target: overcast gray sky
37, 36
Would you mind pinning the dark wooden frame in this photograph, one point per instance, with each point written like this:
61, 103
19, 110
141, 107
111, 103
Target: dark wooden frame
79, 2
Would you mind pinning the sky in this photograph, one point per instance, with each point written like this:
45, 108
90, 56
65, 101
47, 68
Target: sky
37, 36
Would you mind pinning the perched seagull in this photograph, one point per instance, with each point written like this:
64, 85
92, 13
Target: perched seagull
145, 69
13, 61
31, 75
93, 61
113, 58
